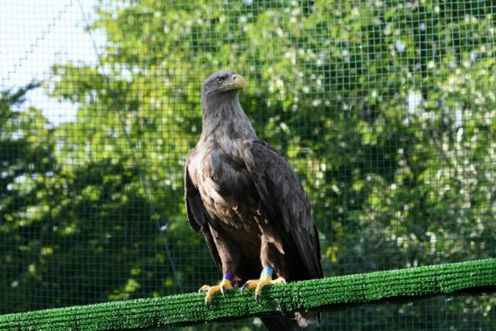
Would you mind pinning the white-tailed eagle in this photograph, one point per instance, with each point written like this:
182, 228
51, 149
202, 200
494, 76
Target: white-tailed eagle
245, 199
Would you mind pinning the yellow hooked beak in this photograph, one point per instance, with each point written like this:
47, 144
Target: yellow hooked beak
234, 82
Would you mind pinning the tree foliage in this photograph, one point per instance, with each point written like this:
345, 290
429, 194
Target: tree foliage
386, 109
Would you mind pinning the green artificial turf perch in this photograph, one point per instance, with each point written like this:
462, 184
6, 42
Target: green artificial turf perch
313, 294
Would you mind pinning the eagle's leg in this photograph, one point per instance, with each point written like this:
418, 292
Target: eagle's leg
229, 254
272, 259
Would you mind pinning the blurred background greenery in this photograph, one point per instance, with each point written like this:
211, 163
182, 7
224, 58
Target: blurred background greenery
386, 109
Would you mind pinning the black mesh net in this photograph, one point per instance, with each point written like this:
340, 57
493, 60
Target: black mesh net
386, 110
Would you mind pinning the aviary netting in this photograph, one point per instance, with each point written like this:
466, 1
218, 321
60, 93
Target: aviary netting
386, 110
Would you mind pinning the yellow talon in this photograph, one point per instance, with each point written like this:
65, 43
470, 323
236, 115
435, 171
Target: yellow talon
259, 284
224, 285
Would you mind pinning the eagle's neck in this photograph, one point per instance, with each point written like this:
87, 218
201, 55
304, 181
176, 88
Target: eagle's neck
224, 118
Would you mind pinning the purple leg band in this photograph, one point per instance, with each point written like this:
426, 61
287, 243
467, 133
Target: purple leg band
229, 275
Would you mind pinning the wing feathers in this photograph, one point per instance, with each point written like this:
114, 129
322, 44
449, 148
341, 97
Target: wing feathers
285, 201
196, 215
194, 204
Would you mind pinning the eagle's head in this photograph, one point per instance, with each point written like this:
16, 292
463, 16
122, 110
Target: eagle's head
222, 84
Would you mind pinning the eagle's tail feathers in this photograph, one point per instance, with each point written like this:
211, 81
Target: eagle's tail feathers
278, 323
288, 323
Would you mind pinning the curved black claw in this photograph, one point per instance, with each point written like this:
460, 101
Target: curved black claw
244, 287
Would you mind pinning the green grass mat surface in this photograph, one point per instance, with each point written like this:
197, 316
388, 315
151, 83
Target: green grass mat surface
314, 294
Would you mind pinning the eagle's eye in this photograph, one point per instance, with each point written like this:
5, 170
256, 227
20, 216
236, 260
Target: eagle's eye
220, 79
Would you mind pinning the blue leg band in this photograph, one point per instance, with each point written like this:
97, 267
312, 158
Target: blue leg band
267, 271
